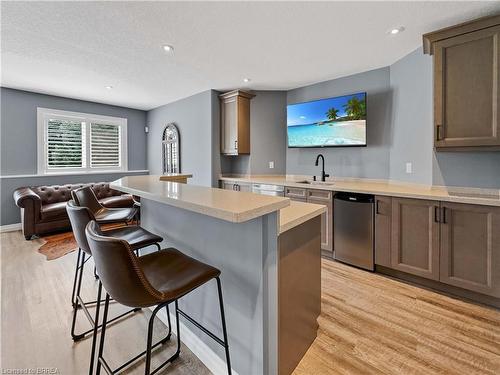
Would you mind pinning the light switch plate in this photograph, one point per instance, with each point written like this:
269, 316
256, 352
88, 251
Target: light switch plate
271, 164
409, 168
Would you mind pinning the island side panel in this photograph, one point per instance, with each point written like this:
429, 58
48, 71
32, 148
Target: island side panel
246, 255
299, 292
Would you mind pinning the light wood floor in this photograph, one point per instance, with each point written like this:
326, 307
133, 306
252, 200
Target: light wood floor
370, 324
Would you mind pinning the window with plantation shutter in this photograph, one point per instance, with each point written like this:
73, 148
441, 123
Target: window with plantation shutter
70, 142
104, 145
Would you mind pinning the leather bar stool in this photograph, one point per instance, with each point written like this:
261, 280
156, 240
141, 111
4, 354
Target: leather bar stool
85, 197
136, 236
155, 279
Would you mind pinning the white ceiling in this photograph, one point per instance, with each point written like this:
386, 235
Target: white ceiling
75, 49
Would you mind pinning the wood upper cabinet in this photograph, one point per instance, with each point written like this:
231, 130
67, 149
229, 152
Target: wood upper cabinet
383, 216
466, 85
415, 237
470, 247
235, 122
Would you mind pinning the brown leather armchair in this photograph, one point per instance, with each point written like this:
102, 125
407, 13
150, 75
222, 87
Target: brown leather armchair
43, 208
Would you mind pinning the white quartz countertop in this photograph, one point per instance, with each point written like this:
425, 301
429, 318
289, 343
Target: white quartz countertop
487, 197
298, 213
227, 205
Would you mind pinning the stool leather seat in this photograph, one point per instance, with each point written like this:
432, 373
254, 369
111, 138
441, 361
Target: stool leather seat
135, 235
85, 197
174, 274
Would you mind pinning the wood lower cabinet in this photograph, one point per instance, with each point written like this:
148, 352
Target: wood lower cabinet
383, 215
466, 84
324, 197
470, 247
415, 237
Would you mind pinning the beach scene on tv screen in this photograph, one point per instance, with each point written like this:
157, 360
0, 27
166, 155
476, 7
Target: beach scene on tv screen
337, 121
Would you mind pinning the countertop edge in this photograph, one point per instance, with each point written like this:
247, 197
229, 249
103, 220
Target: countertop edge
430, 195
234, 217
300, 220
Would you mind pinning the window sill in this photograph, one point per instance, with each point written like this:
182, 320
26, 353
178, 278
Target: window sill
73, 174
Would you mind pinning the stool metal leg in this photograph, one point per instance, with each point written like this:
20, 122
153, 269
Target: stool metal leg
224, 330
73, 298
77, 294
103, 334
96, 326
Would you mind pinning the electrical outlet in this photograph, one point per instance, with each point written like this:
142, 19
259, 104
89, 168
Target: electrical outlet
271, 164
409, 168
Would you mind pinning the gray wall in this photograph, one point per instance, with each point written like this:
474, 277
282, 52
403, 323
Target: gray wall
412, 140
18, 143
267, 135
412, 130
369, 162
19, 133
193, 117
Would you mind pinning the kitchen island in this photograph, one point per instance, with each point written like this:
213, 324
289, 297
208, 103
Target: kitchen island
268, 251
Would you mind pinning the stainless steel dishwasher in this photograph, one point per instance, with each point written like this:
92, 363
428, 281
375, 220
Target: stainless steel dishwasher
354, 229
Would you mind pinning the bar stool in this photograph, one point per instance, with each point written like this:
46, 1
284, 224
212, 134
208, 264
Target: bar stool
136, 236
158, 278
85, 197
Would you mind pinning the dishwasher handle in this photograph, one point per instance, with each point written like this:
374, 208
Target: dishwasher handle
355, 197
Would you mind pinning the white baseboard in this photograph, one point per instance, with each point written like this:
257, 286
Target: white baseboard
206, 355
10, 227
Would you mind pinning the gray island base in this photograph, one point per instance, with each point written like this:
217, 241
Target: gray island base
271, 278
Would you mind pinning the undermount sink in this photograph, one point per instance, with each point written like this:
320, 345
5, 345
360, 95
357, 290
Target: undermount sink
309, 182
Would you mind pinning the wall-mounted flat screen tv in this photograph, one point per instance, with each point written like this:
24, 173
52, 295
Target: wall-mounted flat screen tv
333, 122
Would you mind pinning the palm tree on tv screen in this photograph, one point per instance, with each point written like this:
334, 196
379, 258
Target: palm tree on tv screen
355, 108
332, 114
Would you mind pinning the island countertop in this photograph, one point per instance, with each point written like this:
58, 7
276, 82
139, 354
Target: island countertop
227, 205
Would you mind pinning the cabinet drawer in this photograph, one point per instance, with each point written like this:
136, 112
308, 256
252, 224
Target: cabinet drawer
325, 195
294, 192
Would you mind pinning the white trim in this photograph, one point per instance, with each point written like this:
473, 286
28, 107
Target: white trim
43, 115
214, 363
10, 227
72, 174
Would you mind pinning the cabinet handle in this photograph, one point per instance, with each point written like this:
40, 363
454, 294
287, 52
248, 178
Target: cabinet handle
444, 215
377, 212
437, 218
235, 145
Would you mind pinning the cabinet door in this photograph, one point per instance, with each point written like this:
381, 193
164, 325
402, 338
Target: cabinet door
229, 126
296, 194
324, 197
244, 187
383, 214
415, 237
470, 247
466, 89
228, 185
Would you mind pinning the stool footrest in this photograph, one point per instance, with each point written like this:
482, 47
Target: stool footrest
212, 335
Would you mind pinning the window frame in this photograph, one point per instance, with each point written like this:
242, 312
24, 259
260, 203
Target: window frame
45, 114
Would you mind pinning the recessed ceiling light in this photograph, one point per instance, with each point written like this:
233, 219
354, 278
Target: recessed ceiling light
397, 30
246, 80
168, 48
109, 87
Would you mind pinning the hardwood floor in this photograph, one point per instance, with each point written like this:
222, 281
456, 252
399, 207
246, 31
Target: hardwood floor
370, 324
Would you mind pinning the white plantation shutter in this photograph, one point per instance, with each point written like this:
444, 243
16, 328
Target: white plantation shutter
73, 142
104, 145
65, 139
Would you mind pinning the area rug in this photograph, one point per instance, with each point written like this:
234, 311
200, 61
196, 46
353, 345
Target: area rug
60, 244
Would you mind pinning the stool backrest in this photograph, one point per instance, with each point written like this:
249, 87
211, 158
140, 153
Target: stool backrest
85, 197
79, 217
119, 270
